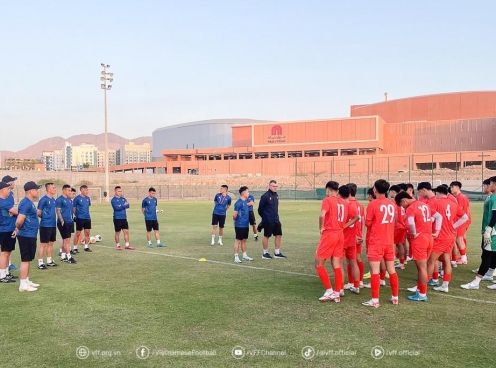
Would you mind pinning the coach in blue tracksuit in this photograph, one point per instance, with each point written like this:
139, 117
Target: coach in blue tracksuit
268, 209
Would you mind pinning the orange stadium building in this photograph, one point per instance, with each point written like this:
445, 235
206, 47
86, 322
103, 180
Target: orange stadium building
418, 133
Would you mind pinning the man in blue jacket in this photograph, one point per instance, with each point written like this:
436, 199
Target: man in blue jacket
120, 204
268, 209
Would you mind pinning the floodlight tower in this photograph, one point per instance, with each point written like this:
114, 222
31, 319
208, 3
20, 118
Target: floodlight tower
106, 79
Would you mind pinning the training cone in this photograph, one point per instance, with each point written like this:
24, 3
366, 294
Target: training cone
203, 260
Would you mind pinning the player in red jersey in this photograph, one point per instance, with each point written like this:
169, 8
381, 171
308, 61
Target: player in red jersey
380, 219
399, 229
419, 221
464, 203
350, 241
332, 219
359, 238
444, 239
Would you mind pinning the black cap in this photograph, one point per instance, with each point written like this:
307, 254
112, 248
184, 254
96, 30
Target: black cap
31, 185
8, 179
4, 185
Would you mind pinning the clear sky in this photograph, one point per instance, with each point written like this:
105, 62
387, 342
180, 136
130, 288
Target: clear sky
181, 61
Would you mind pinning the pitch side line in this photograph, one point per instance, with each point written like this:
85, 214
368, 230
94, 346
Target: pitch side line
280, 271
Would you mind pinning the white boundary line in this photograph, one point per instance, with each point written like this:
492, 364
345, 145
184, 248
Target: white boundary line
279, 271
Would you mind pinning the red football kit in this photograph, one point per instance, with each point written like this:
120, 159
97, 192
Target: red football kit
380, 220
423, 243
332, 239
449, 211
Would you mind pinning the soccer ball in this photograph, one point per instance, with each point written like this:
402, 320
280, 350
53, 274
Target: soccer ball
92, 240
98, 238
159, 211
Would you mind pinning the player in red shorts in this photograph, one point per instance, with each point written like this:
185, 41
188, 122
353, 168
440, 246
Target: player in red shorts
444, 239
380, 219
359, 237
461, 232
350, 240
333, 216
399, 229
419, 221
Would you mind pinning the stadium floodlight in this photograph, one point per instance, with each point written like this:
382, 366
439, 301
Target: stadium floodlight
106, 87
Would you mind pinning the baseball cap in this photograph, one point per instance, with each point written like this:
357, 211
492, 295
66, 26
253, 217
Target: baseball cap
8, 179
4, 185
31, 185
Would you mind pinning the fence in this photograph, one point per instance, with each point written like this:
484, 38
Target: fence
298, 177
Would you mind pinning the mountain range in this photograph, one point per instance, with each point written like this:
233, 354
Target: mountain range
50, 144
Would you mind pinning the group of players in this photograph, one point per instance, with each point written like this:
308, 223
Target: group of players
24, 222
435, 225
244, 217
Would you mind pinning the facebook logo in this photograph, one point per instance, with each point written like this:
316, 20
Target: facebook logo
142, 352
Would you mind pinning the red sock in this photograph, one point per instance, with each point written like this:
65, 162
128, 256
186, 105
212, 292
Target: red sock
410, 251
382, 276
356, 283
361, 267
463, 252
435, 275
338, 279
395, 283
453, 256
375, 284
422, 289
350, 276
402, 261
446, 277
324, 277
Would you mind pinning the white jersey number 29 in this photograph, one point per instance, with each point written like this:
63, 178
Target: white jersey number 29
388, 211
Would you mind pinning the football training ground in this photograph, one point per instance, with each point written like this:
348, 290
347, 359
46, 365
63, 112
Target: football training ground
157, 307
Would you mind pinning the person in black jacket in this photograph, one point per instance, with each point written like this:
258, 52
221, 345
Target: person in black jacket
268, 209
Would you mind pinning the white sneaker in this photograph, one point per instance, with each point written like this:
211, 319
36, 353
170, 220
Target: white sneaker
409, 259
412, 289
487, 278
27, 288
327, 296
361, 284
341, 293
32, 284
220, 242
367, 286
237, 260
400, 266
355, 290
212, 242
370, 303
441, 288
382, 283
492, 287
453, 264
470, 286
348, 286
247, 258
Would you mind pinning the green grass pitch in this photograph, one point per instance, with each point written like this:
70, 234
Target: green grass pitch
114, 303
